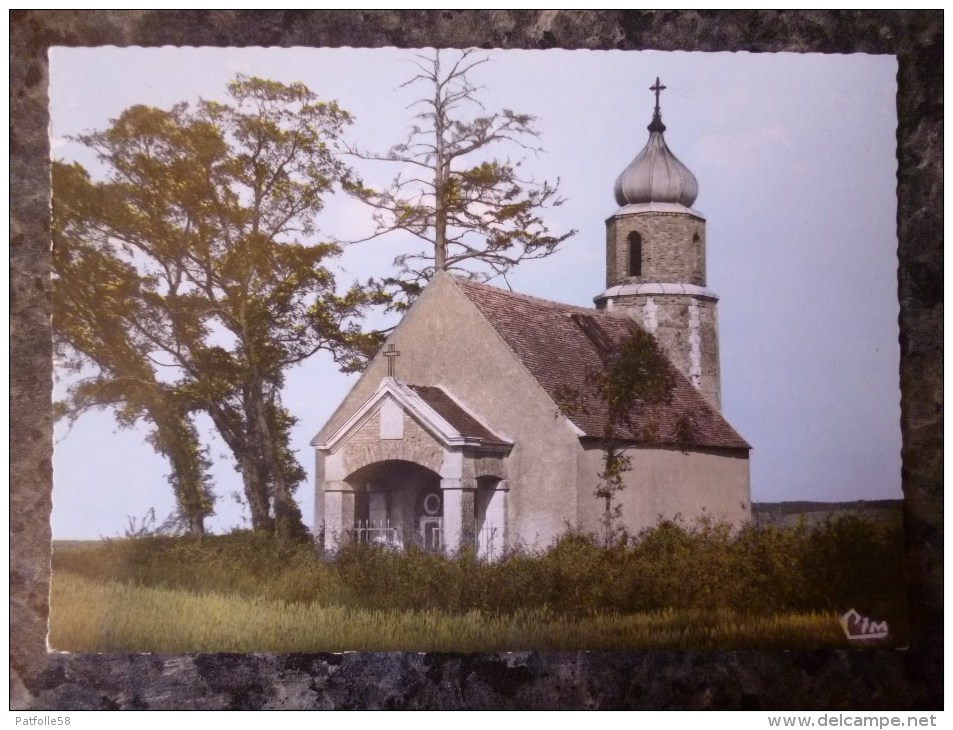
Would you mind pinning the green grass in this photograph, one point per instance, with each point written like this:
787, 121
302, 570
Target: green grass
94, 616
706, 586
841, 564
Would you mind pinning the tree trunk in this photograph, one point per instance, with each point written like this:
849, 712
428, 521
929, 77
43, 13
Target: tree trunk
440, 218
176, 438
441, 168
288, 522
254, 481
197, 526
256, 490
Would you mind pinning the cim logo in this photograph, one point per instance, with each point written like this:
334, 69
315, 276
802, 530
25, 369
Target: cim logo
860, 628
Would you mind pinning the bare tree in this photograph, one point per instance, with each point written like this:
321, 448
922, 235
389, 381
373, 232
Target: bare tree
476, 213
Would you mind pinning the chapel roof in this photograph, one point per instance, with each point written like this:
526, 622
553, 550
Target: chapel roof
551, 341
656, 175
454, 414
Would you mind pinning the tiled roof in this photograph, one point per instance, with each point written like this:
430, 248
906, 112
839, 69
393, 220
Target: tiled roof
550, 339
455, 415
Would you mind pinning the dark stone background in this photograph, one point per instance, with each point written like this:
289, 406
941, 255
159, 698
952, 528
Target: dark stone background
863, 679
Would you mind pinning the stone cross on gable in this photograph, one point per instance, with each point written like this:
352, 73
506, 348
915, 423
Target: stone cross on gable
391, 353
658, 88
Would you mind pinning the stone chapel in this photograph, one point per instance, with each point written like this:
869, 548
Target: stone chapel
456, 434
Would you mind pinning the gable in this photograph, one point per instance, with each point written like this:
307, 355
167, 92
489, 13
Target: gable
447, 343
440, 415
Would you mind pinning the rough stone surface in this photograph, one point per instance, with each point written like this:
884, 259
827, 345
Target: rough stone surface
687, 329
673, 248
741, 680
584, 680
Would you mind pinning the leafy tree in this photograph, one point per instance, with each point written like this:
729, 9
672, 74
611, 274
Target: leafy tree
634, 377
635, 373
92, 297
475, 213
208, 213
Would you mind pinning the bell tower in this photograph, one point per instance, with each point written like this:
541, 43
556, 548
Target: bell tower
655, 259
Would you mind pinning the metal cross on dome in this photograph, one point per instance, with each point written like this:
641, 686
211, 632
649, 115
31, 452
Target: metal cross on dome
658, 88
391, 353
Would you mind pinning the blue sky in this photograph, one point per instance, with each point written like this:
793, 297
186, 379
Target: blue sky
795, 159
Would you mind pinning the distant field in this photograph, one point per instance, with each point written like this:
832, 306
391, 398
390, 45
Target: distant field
72, 544
788, 514
110, 617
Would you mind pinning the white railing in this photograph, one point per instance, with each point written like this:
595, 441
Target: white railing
377, 533
488, 540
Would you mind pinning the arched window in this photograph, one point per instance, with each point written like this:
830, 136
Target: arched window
635, 254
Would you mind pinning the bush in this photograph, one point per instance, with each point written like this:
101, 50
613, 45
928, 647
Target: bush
846, 562
242, 563
852, 562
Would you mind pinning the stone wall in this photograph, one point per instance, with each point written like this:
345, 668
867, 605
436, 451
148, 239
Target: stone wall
365, 446
687, 329
673, 252
670, 251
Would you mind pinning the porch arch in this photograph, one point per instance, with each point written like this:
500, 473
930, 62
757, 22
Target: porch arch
377, 505
396, 503
488, 467
362, 455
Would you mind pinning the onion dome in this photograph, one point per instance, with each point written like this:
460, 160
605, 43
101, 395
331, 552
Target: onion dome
656, 175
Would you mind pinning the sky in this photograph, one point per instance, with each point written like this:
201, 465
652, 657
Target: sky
795, 160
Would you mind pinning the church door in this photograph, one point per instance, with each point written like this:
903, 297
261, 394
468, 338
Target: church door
430, 520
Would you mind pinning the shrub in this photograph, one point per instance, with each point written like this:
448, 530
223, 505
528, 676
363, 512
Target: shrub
850, 562
243, 563
846, 562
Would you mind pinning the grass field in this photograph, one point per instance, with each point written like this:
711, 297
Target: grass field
705, 586
93, 616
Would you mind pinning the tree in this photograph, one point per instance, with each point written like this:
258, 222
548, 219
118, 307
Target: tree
208, 213
634, 378
92, 295
475, 213
635, 373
